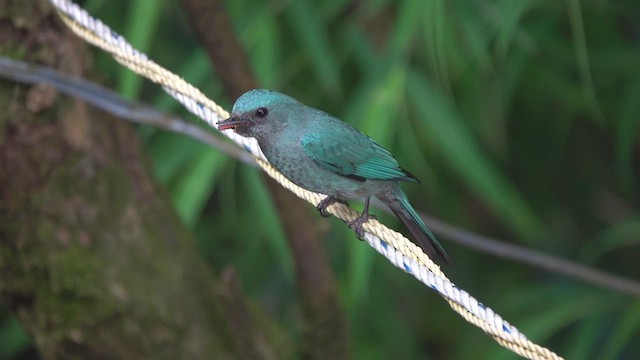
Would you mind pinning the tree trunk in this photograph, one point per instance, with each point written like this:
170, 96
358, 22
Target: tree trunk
93, 260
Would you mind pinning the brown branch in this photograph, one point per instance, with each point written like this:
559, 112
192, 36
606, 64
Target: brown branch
325, 330
215, 31
248, 340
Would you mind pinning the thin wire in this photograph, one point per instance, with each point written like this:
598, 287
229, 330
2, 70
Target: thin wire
109, 101
398, 249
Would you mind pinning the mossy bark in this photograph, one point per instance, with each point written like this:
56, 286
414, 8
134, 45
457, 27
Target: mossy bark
93, 260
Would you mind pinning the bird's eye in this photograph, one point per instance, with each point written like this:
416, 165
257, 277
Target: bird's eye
262, 112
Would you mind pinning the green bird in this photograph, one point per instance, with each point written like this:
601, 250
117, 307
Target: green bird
320, 153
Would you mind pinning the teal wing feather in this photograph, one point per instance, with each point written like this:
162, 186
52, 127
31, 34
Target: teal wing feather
348, 152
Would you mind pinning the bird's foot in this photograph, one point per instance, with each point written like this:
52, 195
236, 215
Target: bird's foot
357, 223
325, 203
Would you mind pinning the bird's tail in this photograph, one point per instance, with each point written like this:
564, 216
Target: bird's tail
397, 201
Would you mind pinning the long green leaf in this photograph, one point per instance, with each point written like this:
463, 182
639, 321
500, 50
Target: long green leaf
196, 183
142, 19
311, 33
463, 154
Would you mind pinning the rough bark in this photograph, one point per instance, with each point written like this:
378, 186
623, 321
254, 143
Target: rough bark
325, 330
93, 260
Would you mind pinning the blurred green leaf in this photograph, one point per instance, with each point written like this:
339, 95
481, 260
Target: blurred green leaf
437, 34
196, 69
626, 331
266, 54
625, 234
582, 59
539, 321
507, 16
195, 184
466, 157
586, 338
13, 339
360, 262
267, 218
172, 154
406, 27
627, 133
94, 5
142, 19
361, 50
310, 29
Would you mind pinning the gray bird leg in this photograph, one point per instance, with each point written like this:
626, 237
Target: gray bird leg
326, 202
356, 224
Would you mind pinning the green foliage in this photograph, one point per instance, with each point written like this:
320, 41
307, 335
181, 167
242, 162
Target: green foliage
13, 339
520, 117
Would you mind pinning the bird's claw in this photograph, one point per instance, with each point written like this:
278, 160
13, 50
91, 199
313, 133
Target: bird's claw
325, 203
357, 223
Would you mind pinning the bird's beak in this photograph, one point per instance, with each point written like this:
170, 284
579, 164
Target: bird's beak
232, 123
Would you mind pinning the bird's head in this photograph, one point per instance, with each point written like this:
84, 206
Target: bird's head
259, 112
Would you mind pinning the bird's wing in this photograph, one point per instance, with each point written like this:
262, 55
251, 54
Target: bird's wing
346, 151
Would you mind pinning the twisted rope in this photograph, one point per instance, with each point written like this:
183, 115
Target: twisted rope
394, 246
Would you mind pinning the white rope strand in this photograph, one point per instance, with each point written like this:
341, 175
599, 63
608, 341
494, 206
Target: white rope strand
394, 246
